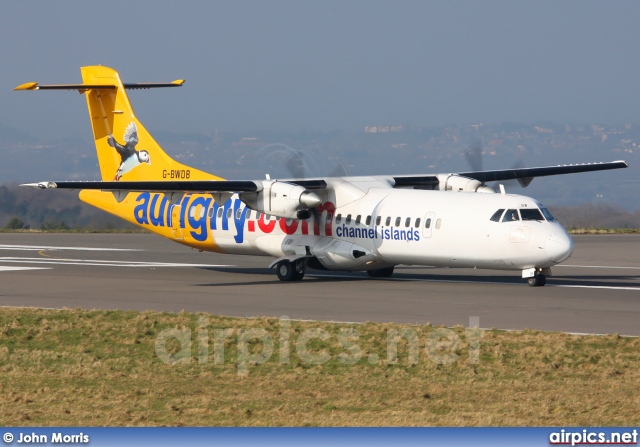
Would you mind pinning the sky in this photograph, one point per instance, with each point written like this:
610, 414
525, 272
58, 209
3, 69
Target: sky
325, 65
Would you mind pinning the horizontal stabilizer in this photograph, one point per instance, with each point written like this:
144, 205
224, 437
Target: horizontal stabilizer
85, 87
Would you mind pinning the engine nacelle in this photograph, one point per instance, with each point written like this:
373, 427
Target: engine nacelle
282, 199
457, 183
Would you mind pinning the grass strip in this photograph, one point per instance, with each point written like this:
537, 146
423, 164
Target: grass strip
95, 368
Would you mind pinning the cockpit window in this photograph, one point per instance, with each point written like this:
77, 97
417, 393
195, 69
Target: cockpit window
511, 216
547, 214
496, 215
531, 214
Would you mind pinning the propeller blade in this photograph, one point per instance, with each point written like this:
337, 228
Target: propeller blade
474, 156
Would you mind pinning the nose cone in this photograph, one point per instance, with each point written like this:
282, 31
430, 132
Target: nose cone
559, 247
310, 199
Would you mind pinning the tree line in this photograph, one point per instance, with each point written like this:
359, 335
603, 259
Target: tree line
22, 208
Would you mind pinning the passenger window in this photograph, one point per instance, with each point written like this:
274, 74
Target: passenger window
378, 220
398, 221
511, 216
358, 220
229, 213
238, 214
329, 217
248, 214
368, 221
192, 212
267, 217
210, 213
407, 222
258, 214
496, 216
438, 224
219, 213
388, 221
418, 222
427, 223
348, 220
531, 214
338, 218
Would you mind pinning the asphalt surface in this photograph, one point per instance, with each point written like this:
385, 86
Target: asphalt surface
596, 291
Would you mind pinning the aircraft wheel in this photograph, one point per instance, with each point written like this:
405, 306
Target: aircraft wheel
286, 271
299, 269
542, 280
380, 273
537, 281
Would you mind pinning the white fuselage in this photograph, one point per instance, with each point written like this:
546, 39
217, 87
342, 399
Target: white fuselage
365, 225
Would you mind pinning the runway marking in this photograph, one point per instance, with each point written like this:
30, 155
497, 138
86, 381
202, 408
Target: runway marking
44, 247
4, 268
580, 286
598, 267
99, 262
585, 286
412, 279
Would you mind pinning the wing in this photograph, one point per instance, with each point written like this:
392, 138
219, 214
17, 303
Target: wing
202, 186
523, 175
131, 135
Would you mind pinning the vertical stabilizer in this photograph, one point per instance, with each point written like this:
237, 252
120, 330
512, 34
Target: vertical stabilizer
125, 149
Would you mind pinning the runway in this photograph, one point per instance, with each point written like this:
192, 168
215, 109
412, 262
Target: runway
596, 291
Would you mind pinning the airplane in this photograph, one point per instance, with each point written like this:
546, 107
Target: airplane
360, 223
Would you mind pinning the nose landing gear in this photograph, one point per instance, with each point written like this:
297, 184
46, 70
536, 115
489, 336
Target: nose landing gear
537, 281
536, 277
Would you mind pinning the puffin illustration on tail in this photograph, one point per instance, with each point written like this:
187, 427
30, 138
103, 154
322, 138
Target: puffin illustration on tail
128, 153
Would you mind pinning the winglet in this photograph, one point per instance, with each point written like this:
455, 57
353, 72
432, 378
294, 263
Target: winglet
178, 82
27, 86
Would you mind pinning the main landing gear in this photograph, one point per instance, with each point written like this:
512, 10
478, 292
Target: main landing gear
381, 273
291, 271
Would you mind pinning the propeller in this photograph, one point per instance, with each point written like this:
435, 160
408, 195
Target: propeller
475, 158
299, 164
296, 162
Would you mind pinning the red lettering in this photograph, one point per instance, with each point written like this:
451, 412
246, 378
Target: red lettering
266, 227
330, 208
288, 229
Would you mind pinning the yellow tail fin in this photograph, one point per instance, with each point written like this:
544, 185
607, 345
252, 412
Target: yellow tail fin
125, 149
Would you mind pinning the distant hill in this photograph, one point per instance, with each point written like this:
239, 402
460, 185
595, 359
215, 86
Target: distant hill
376, 149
